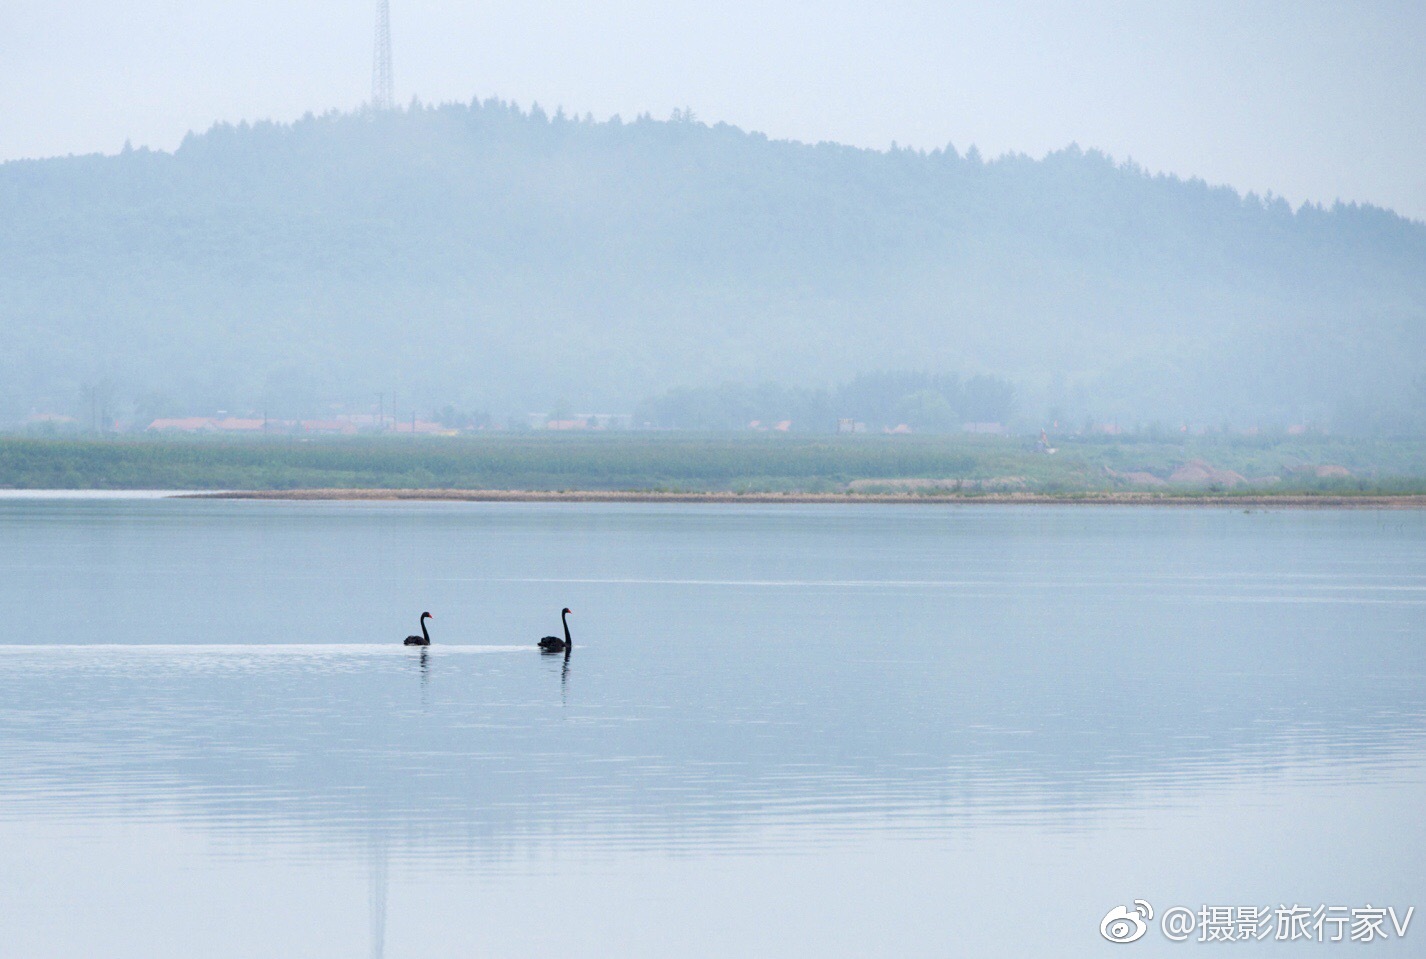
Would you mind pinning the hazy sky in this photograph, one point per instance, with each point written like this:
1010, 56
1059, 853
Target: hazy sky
1309, 99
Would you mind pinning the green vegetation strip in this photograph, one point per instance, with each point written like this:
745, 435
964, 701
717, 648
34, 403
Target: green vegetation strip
862, 467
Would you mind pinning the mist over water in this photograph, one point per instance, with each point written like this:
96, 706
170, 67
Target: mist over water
756, 376
899, 714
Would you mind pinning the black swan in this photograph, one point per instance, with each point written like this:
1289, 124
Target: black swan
424, 639
553, 644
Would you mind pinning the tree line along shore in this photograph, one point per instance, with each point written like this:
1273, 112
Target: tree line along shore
851, 469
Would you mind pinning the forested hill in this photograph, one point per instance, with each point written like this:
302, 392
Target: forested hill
495, 258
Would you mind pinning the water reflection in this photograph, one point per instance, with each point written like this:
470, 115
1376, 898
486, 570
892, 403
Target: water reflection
376, 896
342, 750
822, 672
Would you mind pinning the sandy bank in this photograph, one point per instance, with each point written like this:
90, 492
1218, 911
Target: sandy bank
1280, 501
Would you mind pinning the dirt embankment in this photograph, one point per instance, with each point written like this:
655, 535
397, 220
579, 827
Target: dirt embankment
1119, 498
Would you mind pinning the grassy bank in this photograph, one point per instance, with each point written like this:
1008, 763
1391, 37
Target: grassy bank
863, 465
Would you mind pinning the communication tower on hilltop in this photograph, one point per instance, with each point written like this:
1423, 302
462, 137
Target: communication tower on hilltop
383, 95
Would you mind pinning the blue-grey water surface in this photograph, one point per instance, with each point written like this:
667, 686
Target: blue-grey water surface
784, 731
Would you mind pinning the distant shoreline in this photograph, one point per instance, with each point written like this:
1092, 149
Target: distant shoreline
634, 467
1282, 501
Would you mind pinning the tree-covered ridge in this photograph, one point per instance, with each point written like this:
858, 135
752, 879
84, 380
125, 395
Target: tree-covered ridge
506, 259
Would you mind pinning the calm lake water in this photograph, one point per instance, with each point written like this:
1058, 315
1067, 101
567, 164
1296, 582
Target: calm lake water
784, 731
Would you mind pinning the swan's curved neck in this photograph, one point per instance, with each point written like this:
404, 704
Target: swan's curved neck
425, 635
564, 618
